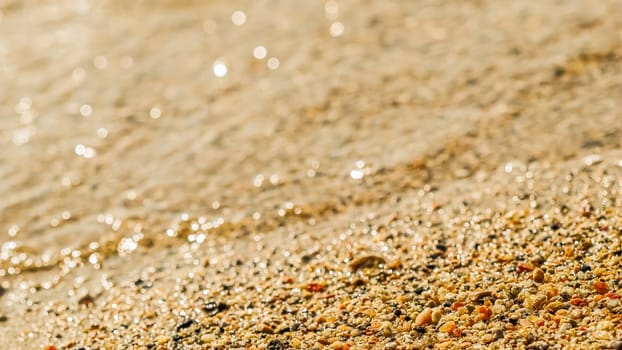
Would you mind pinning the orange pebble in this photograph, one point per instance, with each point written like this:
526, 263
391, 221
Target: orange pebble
314, 287
424, 317
448, 327
395, 264
457, 332
601, 287
458, 304
484, 313
524, 267
578, 302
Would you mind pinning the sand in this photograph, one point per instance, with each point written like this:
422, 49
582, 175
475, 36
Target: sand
277, 174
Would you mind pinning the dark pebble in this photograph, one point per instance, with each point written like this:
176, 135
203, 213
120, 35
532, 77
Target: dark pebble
420, 290
275, 344
370, 261
87, 300
435, 255
184, 325
358, 282
419, 329
538, 346
592, 144
212, 308
586, 268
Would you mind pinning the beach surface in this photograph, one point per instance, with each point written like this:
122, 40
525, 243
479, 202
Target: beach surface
341, 174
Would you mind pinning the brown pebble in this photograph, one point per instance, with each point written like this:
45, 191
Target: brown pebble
395, 264
538, 275
87, 300
424, 317
357, 282
554, 306
315, 287
477, 296
264, 328
601, 287
3, 318
369, 261
524, 267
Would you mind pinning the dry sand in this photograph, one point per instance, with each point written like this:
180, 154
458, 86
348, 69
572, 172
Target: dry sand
391, 175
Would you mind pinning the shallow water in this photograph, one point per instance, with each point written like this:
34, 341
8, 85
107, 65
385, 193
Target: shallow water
118, 120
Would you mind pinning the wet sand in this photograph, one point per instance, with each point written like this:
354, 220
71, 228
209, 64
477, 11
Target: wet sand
345, 175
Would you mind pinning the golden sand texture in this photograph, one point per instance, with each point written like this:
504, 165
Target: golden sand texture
341, 174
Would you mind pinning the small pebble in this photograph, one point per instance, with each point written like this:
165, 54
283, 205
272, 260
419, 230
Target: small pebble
212, 308
390, 346
264, 328
369, 261
184, 325
601, 287
436, 315
448, 327
498, 309
477, 296
538, 275
424, 317
276, 344
338, 345
565, 327
554, 306
86, 300
524, 267
386, 329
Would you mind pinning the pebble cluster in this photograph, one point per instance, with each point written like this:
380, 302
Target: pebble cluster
446, 276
